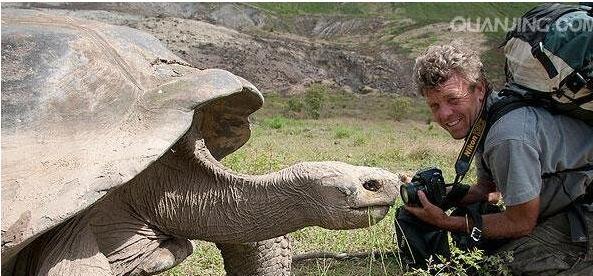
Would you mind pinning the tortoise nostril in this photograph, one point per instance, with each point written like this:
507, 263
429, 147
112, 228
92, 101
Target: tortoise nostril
372, 185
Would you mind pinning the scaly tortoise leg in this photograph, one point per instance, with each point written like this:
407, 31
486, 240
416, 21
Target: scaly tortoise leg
263, 258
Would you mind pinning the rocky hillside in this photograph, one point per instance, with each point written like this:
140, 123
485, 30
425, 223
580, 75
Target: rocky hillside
284, 48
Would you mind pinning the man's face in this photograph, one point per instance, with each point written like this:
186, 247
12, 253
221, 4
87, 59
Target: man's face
454, 106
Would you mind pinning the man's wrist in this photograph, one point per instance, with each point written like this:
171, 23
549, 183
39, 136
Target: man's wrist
475, 216
455, 224
466, 224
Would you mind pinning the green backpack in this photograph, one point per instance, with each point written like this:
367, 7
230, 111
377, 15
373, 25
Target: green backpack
549, 61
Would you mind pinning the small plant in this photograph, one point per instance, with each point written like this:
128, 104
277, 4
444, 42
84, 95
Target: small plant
315, 97
401, 107
461, 262
276, 122
420, 154
294, 108
342, 132
359, 140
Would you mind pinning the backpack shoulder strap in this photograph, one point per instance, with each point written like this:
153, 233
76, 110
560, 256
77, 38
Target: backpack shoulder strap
510, 101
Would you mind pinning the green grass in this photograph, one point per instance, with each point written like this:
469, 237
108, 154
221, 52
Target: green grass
276, 122
206, 261
428, 13
343, 132
394, 145
341, 104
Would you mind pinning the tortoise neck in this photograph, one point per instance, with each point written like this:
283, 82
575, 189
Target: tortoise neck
199, 198
257, 206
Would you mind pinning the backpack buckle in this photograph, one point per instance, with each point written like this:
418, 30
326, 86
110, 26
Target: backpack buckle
476, 234
575, 82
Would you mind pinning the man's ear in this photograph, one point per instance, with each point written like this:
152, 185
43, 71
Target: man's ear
481, 89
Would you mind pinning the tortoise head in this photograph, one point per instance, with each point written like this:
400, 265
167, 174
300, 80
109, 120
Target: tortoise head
343, 196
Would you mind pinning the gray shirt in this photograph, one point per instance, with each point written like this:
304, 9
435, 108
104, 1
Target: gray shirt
528, 142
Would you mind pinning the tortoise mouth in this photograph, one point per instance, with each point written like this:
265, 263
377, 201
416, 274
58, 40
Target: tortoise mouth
376, 212
362, 208
363, 205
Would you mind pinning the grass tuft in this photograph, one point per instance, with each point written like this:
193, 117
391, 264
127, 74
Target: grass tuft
276, 122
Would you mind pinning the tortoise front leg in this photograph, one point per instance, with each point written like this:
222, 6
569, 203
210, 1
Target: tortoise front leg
133, 246
70, 249
263, 258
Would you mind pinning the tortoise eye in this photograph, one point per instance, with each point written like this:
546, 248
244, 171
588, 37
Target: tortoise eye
372, 185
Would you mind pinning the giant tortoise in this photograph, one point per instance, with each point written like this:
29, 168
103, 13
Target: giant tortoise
110, 160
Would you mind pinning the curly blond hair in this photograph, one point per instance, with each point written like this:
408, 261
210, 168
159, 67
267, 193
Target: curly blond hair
437, 63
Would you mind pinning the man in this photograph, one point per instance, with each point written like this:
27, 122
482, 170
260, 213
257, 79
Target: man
521, 147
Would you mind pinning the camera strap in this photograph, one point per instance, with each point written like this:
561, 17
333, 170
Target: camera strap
472, 239
473, 139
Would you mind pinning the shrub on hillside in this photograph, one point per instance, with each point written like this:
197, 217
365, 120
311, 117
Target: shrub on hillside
401, 107
294, 108
315, 98
295, 105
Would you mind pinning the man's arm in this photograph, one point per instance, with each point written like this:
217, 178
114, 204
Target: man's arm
515, 221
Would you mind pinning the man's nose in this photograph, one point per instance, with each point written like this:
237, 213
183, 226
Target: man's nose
444, 112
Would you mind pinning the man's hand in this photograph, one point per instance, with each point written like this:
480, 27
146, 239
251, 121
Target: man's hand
484, 190
429, 212
405, 178
494, 197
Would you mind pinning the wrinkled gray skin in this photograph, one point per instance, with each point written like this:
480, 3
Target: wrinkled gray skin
110, 149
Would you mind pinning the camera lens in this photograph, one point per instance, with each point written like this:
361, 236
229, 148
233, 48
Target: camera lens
404, 193
408, 193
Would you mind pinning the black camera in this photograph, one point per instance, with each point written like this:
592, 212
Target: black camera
431, 182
